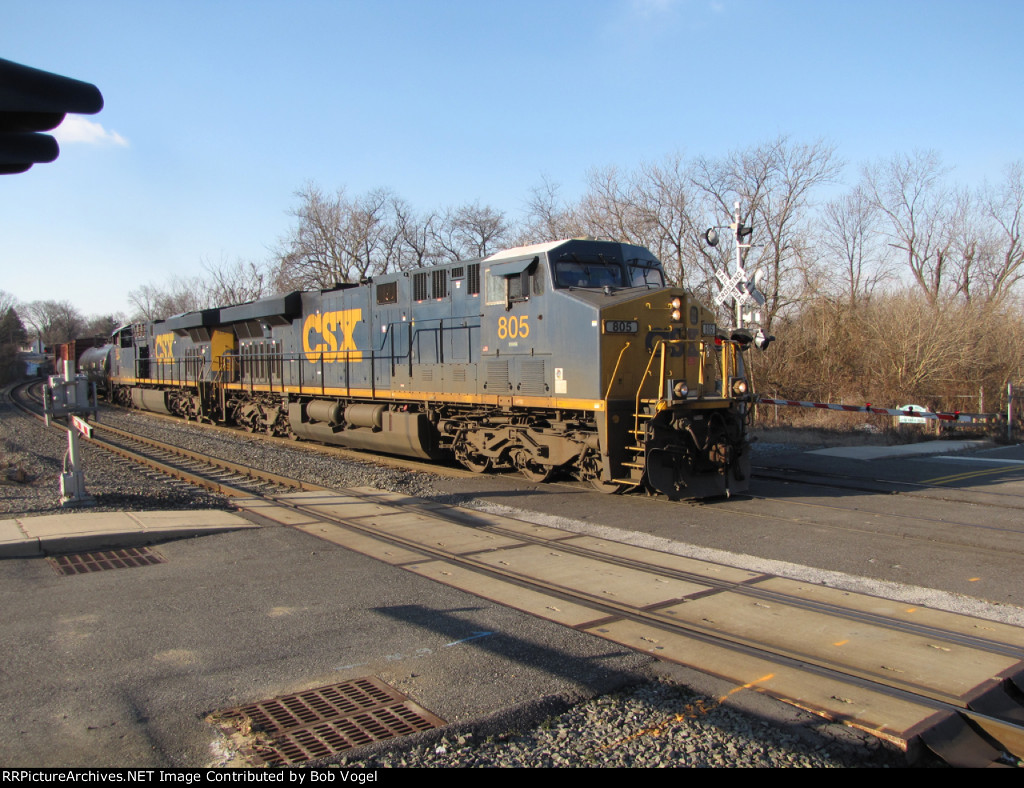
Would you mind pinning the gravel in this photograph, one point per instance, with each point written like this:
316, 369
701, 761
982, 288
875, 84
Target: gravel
653, 724
31, 460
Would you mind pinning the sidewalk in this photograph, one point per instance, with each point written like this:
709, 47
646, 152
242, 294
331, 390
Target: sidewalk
907, 450
31, 537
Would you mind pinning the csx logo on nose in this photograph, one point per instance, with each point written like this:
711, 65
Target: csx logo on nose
331, 334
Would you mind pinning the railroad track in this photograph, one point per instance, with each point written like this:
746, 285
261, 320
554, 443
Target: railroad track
906, 675
217, 474
850, 483
214, 473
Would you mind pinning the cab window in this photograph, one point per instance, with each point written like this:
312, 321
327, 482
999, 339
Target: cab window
573, 273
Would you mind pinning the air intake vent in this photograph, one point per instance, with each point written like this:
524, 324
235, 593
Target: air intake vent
531, 378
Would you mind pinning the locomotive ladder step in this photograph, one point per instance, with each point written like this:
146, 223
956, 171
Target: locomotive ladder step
633, 465
634, 448
626, 481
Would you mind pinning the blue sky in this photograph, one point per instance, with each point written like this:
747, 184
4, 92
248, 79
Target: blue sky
216, 112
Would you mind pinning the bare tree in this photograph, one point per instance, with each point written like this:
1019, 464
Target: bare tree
103, 325
611, 208
415, 233
548, 218
313, 255
54, 322
1002, 209
470, 231
673, 221
371, 235
337, 239
235, 283
146, 300
849, 228
7, 301
919, 211
774, 184
179, 295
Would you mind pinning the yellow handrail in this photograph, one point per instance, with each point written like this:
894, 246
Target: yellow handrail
658, 351
611, 380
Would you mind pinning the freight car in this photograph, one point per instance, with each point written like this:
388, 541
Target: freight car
568, 357
73, 351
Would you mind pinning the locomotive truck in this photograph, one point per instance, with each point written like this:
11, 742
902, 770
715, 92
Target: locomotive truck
569, 357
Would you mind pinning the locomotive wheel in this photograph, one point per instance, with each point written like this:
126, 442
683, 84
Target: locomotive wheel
475, 462
590, 470
478, 463
533, 471
608, 488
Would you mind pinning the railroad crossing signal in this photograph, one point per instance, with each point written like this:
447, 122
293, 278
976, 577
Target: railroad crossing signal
730, 286
737, 287
68, 395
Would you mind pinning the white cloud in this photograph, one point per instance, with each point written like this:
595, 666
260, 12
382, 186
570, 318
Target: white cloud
77, 129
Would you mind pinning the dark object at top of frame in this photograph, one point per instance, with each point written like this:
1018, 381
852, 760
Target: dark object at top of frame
32, 101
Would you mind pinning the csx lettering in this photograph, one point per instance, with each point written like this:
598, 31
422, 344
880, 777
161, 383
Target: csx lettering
163, 346
673, 350
513, 328
332, 334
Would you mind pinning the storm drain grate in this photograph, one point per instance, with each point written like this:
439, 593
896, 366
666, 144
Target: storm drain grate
80, 563
293, 729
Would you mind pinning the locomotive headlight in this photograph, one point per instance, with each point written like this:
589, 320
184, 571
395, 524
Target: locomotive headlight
739, 387
676, 303
680, 390
676, 315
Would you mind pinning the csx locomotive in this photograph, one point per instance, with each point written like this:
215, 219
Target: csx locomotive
563, 357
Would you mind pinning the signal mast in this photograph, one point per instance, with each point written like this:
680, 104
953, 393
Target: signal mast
743, 290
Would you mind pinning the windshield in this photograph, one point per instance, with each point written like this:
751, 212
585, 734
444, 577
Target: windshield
645, 273
608, 273
574, 273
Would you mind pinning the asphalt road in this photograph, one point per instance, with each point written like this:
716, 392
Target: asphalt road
122, 667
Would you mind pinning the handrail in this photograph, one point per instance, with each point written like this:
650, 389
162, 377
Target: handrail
611, 380
659, 351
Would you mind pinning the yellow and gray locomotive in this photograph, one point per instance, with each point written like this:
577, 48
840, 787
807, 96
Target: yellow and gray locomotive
570, 357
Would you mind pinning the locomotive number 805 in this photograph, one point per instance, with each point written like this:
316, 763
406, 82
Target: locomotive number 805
569, 357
